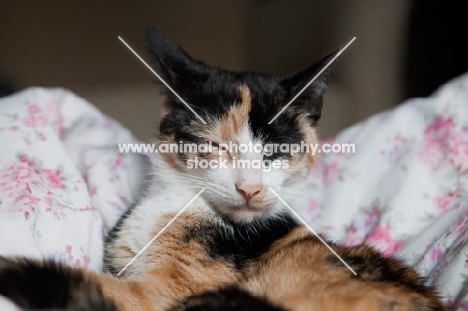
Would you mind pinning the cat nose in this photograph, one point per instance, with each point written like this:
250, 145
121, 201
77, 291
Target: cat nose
248, 191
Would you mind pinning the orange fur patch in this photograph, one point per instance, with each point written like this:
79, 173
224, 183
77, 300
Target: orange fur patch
295, 274
237, 117
310, 137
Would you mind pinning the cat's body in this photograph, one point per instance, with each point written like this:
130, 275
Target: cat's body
236, 247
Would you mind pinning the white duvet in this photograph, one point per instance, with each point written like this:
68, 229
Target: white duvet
63, 182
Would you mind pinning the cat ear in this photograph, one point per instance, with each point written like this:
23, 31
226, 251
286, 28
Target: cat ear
311, 99
180, 71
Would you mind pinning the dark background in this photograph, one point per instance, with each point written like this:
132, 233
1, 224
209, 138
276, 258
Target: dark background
437, 45
403, 49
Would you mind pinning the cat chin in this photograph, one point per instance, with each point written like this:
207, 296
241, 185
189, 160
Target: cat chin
245, 214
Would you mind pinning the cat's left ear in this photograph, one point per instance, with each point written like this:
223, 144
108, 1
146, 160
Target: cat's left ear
311, 99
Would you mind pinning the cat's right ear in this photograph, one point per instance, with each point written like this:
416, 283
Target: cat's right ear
180, 71
310, 100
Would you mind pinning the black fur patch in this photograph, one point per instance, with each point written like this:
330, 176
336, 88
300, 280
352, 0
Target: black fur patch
371, 266
227, 299
113, 234
48, 285
212, 91
247, 243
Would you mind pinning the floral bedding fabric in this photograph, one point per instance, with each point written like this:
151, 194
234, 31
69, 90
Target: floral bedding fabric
405, 189
64, 183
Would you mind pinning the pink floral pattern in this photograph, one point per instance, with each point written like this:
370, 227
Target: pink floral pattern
47, 208
458, 154
405, 191
381, 239
31, 186
35, 117
331, 173
447, 201
67, 257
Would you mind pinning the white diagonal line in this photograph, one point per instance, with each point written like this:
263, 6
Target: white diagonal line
160, 232
161, 79
313, 231
308, 84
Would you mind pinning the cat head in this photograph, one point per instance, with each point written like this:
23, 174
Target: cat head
237, 108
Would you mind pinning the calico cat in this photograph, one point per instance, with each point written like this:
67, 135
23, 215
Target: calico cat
236, 247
